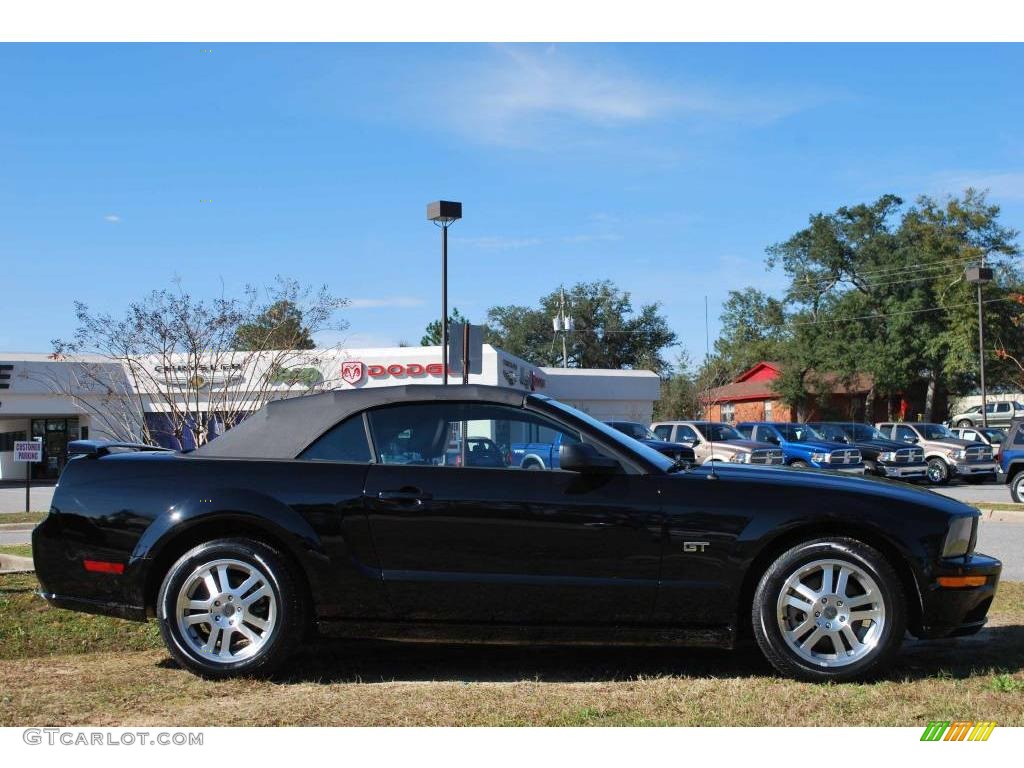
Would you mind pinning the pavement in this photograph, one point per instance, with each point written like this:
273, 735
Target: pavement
12, 498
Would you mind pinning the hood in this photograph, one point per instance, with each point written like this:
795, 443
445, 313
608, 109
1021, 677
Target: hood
953, 442
822, 445
744, 446
666, 445
882, 445
826, 481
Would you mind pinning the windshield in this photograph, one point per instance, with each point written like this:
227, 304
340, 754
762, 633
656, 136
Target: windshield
798, 433
934, 432
720, 432
863, 432
611, 434
634, 429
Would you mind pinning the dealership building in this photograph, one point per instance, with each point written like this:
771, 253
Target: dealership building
69, 398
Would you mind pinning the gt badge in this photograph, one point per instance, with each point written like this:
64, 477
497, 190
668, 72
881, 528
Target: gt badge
695, 546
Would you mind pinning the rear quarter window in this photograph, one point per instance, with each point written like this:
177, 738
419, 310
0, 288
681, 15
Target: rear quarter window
345, 441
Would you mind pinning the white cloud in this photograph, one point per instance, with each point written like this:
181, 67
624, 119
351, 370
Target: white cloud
113, 218
499, 243
385, 301
1002, 185
531, 96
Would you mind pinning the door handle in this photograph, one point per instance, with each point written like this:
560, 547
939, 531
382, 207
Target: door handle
410, 496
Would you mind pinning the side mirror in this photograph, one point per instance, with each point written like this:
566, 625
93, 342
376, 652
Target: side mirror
580, 457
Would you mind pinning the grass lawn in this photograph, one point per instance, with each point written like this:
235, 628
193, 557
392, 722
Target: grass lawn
10, 518
64, 668
21, 550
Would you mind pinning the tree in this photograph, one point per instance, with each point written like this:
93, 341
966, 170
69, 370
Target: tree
679, 397
608, 332
432, 337
279, 326
175, 354
880, 289
754, 327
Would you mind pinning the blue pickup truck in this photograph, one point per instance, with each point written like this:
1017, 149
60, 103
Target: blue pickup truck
545, 455
803, 447
1011, 461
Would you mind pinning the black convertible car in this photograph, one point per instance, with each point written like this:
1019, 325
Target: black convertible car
339, 513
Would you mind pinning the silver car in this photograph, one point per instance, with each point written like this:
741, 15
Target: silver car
1000, 414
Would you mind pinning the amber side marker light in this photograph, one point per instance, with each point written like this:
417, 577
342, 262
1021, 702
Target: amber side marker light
102, 566
962, 581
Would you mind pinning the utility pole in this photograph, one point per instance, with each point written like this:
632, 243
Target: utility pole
563, 324
979, 276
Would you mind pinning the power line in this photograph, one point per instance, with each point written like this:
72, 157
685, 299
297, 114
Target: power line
936, 268
897, 314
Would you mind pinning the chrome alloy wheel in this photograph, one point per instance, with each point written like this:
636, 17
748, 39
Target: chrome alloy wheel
226, 611
831, 613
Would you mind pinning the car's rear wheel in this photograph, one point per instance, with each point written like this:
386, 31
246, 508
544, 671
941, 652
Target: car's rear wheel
965, 423
231, 607
1017, 488
938, 472
829, 609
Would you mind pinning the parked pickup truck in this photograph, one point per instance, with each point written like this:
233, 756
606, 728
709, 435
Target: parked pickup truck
947, 455
1011, 461
714, 441
544, 455
882, 457
803, 447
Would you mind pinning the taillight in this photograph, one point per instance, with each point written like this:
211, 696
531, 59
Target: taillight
103, 566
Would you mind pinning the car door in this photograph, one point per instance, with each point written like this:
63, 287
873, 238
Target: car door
1002, 416
504, 544
905, 434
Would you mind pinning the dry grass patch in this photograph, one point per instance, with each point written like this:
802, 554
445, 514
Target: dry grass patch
391, 684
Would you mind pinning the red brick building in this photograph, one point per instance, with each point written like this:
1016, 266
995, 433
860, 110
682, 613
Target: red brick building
751, 398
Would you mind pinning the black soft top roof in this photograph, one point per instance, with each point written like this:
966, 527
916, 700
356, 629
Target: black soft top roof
283, 428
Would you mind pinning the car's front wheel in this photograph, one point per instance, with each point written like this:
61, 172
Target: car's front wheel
1017, 488
829, 609
938, 472
965, 423
800, 464
231, 607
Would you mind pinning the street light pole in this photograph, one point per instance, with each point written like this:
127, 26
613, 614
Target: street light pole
980, 275
444, 213
444, 305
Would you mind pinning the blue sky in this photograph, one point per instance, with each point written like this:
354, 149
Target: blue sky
667, 168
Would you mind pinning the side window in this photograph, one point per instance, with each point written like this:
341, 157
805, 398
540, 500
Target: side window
1002, 407
906, 434
466, 435
1018, 439
746, 430
343, 442
685, 432
663, 431
969, 434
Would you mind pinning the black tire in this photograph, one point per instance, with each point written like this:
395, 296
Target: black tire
965, 423
800, 464
283, 638
938, 472
765, 615
1017, 487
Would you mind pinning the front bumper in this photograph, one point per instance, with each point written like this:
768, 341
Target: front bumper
846, 470
902, 471
952, 612
980, 468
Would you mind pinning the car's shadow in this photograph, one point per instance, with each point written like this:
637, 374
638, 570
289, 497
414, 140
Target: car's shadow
996, 648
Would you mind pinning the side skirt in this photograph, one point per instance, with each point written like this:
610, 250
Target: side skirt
508, 634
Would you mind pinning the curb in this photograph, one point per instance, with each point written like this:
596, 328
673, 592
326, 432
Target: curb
15, 564
1000, 515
